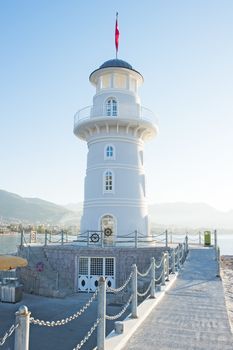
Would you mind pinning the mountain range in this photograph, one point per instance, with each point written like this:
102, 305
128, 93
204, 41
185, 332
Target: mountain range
14, 208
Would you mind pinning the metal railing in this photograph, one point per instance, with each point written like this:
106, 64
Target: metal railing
94, 238
161, 268
124, 111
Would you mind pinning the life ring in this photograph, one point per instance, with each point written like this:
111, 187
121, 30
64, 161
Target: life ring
95, 237
107, 232
40, 266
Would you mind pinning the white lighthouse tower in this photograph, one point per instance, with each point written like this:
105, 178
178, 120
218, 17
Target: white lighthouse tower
115, 128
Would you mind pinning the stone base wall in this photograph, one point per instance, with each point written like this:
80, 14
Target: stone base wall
61, 264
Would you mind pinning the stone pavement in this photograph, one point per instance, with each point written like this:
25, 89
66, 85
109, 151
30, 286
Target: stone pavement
61, 337
192, 315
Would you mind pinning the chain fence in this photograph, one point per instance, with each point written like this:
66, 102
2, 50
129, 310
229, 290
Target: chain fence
8, 334
87, 336
146, 292
117, 290
145, 273
115, 317
67, 319
180, 253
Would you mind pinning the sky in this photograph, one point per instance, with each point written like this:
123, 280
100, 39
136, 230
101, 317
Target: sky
183, 49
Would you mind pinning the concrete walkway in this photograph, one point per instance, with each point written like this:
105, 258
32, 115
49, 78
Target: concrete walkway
192, 314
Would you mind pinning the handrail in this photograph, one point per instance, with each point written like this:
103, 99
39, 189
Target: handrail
124, 111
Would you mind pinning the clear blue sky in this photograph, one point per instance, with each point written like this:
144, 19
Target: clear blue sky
184, 50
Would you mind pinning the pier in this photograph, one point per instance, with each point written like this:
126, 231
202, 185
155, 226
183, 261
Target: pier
181, 306
192, 314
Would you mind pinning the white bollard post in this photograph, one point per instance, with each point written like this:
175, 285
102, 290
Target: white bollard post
215, 244
199, 238
178, 257
167, 266
21, 238
173, 261
183, 252
134, 306
164, 269
136, 238
186, 245
22, 331
101, 328
46, 237
166, 238
152, 278
218, 263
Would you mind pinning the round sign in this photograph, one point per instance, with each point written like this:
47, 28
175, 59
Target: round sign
107, 232
95, 237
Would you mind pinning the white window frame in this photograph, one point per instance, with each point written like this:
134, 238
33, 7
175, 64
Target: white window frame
104, 181
112, 112
113, 156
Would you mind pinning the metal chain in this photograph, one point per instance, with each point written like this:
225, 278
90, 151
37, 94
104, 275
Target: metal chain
145, 273
111, 318
67, 319
182, 255
160, 264
143, 294
8, 333
117, 290
158, 279
87, 336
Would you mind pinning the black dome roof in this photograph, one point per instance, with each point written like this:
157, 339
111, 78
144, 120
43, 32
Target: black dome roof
116, 63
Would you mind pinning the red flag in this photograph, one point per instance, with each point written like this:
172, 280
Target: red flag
117, 33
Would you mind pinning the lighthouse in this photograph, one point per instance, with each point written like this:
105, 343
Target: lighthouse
115, 128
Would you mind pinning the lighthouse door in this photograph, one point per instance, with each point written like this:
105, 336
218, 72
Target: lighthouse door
108, 226
91, 269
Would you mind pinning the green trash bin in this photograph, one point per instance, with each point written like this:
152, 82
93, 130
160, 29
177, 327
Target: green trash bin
207, 238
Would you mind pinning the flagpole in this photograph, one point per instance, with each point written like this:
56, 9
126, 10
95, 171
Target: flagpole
117, 33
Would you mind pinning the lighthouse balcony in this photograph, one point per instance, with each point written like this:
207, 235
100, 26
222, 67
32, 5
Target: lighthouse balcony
122, 112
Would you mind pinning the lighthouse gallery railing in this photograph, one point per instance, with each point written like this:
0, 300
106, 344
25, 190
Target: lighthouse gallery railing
124, 111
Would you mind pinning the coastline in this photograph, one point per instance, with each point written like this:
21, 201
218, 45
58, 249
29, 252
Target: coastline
227, 279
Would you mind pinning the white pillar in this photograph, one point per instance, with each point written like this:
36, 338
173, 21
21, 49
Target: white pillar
167, 265
164, 269
215, 243
178, 257
173, 261
152, 278
166, 238
218, 263
22, 331
199, 238
134, 307
101, 329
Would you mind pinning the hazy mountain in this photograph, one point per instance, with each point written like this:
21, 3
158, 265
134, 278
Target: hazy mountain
31, 210
77, 207
190, 215
179, 214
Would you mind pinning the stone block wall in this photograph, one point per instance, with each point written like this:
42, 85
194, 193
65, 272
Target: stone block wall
63, 260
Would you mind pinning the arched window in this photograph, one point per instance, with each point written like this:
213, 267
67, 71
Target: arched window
109, 152
111, 107
108, 222
108, 181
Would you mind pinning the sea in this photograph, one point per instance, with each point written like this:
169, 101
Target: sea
9, 242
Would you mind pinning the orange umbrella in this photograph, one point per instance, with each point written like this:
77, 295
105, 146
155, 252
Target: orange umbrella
9, 262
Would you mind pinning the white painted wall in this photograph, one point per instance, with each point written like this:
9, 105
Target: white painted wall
127, 201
